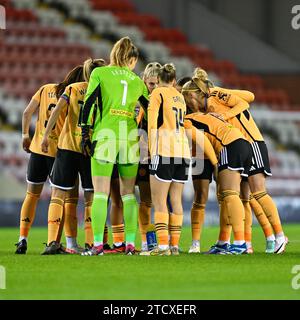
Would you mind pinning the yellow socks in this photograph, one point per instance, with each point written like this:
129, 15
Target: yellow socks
197, 220
175, 228
70, 225
28, 213
248, 220
118, 233
161, 226
236, 214
55, 219
270, 210
225, 227
261, 217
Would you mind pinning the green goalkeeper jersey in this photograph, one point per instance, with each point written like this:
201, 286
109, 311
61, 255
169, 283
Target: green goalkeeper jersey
110, 103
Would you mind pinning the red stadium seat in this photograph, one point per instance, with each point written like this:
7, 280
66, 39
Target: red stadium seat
116, 6
276, 98
139, 20
183, 49
20, 15
35, 31
164, 35
225, 66
6, 3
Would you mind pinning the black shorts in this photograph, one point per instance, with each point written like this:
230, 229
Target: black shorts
65, 170
143, 173
39, 168
207, 172
169, 169
115, 173
236, 156
260, 160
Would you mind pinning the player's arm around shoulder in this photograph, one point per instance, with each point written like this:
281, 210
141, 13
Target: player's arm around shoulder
198, 137
243, 94
236, 104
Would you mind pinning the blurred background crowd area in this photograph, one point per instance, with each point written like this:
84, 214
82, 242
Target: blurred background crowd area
242, 44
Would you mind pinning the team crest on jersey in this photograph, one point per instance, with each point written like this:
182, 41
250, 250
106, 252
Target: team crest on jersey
222, 96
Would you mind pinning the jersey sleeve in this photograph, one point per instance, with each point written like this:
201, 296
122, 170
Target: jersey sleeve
153, 110
37, 95
244, 94
227, 98
144, 99
67, 94
200, 138
93, 92
237, 106
140, 116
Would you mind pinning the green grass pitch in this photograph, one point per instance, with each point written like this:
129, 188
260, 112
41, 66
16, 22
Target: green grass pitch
257, 276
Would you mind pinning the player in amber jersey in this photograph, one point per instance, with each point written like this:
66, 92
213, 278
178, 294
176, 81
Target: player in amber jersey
202, 172
170, 158
219, 101
40, 163
241, 118
69, 162
234, 160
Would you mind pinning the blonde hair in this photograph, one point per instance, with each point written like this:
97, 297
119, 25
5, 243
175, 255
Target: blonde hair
200, 82
189, 87
167, 73
122, 51
89, 65
151, 70
153, 65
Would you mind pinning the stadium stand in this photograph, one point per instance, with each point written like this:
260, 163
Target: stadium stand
45, 39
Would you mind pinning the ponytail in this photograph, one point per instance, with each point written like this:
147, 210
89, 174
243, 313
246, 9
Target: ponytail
200, 78
122, 52
167, 73
89, 65
75, 75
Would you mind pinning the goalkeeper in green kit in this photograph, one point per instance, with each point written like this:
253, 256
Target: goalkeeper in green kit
109, 110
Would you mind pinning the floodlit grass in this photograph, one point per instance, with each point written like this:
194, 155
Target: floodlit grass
257, 276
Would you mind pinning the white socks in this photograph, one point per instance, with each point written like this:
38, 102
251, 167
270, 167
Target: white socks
71, 242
